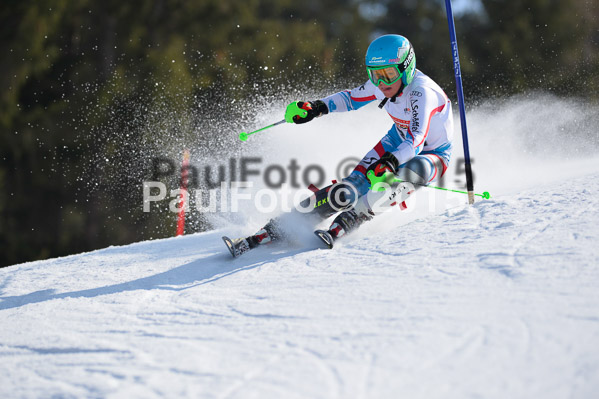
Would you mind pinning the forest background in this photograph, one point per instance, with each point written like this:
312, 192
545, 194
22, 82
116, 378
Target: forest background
90, 90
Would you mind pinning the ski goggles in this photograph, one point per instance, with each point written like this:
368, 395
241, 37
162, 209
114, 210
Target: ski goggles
388, 74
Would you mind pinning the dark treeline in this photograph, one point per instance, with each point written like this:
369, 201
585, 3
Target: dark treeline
86, 85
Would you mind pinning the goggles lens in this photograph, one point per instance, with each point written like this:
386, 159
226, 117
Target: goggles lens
387, 74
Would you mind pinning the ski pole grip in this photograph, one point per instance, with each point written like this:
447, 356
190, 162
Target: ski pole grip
294, 110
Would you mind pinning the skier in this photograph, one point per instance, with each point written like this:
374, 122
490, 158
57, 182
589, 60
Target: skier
417, 148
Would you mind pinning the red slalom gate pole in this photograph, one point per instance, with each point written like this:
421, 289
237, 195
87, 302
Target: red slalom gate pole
181, 215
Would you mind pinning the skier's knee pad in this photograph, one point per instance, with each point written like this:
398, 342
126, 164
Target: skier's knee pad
417, 171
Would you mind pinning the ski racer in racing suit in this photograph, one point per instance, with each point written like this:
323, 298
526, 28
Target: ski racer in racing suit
417, 148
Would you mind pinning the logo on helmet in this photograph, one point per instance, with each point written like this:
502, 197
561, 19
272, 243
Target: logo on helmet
409, 59
376, 59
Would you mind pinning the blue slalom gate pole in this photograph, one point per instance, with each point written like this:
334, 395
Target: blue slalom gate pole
458, 83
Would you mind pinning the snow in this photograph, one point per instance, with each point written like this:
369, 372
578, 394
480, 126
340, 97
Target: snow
494, 300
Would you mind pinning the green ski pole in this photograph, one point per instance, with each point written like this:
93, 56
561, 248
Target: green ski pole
485, 194
292, 110
243, 136
390, 178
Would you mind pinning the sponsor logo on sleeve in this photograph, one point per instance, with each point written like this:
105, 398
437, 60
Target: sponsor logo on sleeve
332, 106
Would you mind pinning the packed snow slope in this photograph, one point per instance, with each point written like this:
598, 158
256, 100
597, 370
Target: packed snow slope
495, 300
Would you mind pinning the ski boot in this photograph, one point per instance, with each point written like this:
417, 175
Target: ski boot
239, 246
367, 206
343, 224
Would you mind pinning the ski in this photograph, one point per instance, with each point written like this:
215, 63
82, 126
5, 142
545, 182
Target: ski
326, 237
237, 246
